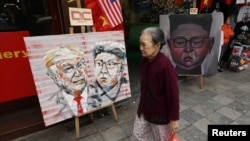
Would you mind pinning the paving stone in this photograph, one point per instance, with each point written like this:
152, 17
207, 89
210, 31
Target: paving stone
212, 104
239, 107
104, 123
183, 124
216, 89
203, 110
226, 84
248, 113
188, 102
202, 125
128, 126
190, 116
88, 130
192, 85
114, 133
244, 98
222, 99
237, 92
127, 112
230, 113
180, 137
204, 95
244, 87
244, 119
186, 93
126, 139
183, 107
192, 133
219, 118
92, 137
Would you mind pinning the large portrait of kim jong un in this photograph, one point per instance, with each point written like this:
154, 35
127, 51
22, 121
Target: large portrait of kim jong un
193, 42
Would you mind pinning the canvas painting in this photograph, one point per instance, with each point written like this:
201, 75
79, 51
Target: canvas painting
193, 42
75, 74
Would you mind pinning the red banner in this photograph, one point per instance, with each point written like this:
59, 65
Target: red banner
15, 74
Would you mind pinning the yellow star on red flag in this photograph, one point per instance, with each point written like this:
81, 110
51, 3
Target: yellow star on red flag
105, 21
69, 1
205, 2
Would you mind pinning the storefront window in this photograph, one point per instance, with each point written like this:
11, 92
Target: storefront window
31, 15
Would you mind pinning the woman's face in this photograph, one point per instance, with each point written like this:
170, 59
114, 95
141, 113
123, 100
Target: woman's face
228, 20
189, 45
147, 47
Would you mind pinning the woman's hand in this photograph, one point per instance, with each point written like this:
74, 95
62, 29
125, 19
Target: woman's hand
174, 126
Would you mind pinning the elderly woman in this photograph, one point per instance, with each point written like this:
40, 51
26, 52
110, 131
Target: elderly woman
158, 111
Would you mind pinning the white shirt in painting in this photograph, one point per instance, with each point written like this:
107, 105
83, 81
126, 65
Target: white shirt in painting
73, 104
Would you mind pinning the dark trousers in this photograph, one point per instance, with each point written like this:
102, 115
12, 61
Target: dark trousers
227, 54
228, 51
223, 54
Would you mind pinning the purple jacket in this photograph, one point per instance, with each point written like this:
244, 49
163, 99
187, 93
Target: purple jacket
159, 101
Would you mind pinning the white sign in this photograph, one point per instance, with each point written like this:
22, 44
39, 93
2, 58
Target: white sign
80, 17
193, 11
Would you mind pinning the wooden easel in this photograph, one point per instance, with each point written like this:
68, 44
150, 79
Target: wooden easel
77, 123
189, 75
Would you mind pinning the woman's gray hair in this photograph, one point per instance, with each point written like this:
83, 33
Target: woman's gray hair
157, 35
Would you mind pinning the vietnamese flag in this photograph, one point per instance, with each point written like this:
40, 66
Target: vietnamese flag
100, 20
205, 4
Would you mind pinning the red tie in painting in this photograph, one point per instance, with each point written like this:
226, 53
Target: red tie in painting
79, 105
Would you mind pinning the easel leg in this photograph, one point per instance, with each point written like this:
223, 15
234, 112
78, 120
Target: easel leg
77, 126
71, 30
114, 112
91, 115
201, 81
186, 79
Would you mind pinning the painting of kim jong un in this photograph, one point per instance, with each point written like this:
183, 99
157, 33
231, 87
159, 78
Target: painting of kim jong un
194, 42
75, 74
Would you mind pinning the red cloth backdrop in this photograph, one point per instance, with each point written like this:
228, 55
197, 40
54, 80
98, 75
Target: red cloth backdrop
107, 14
228, 2
15, 74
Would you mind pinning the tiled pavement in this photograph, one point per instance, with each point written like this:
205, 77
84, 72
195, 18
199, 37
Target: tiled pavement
224, 99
